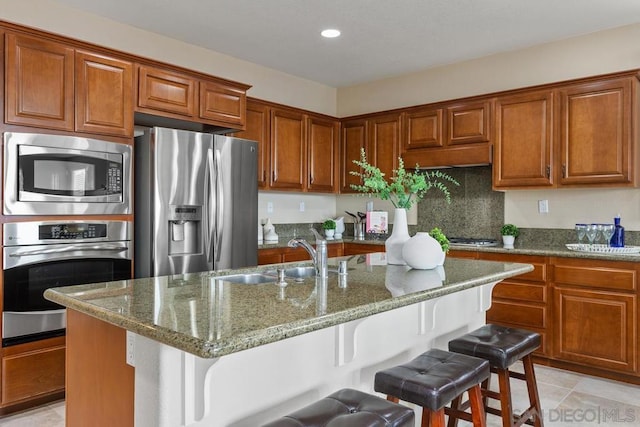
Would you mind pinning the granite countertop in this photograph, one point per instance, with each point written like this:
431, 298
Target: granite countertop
210, 317
554, 249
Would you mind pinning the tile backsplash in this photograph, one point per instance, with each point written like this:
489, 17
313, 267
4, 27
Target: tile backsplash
475, 210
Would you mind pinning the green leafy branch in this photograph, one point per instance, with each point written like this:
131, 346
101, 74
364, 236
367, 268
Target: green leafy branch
404, 188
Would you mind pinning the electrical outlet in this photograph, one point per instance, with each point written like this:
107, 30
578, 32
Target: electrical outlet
301, 206
131, 348
543, 206
269, 207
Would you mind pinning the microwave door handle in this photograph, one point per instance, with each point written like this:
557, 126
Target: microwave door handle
219, 206
70, 248
208, 201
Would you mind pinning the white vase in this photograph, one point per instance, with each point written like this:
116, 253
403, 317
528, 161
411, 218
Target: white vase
329, 234
399, 235
507, 241
423, 252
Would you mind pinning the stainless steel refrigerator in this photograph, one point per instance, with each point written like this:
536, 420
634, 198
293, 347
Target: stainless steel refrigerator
196, 202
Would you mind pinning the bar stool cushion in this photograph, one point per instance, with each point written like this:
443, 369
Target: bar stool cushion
432, 379
349, 408
500, 345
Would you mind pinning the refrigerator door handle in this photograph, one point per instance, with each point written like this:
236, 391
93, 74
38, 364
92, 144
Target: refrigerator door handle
219, 227
208, 200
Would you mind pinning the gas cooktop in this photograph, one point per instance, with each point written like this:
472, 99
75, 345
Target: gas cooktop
469, 241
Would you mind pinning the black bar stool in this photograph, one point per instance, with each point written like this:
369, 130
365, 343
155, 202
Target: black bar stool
502, 347
349, 408
432, 380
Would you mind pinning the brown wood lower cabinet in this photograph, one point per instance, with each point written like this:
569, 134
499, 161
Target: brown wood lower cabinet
586, 311
595, 313
286, 254
362, 248
32, 370
521, 301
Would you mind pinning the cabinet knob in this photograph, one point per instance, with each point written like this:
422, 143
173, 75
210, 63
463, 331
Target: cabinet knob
548, 171
273, 176
264, 176
311, 179
564, 171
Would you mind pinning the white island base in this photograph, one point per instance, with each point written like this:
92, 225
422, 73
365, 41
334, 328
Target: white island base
251, 387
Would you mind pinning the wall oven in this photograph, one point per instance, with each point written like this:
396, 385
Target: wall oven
42, 255
57, 175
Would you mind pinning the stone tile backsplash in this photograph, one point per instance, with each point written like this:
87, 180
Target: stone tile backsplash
475, 211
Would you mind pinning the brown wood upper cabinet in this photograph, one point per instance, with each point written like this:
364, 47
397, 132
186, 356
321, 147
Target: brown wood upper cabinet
183, 96
104, 95
596, 144
380, 136
39, 82
447, 134
579, 134
523, 143
40, 88
297, 150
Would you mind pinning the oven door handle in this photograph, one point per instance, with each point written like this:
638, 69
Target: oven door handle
71, 248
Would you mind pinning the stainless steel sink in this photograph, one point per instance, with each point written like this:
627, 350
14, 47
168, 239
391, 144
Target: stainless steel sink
296, 273
249, 278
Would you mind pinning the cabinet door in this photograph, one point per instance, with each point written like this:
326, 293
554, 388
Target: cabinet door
384, 143
104, 95
596, 132
468, 123
423, 129
222, 104
32, 370
523, 140
39, 83
362, 248
322, 143
288, 150
354, 138
166, 91
595, 328
257, 128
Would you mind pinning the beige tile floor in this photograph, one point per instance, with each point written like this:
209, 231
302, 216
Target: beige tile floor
568, 400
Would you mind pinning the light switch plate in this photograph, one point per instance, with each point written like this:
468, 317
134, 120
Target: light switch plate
131, 348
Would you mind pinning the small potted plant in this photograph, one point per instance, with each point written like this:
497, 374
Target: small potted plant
329, 227
437, 234
509, 233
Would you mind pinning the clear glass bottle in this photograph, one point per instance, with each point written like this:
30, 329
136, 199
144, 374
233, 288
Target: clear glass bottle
617, 241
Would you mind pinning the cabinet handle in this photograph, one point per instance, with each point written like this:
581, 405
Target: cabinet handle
264, 176
273, 176
311, 178
564, 171
548, 171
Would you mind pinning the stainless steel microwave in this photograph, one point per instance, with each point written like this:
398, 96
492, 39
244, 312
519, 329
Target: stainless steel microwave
59, 175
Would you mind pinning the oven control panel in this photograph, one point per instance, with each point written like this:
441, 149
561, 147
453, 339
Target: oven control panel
72, 231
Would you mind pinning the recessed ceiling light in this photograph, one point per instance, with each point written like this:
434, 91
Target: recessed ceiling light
330, 33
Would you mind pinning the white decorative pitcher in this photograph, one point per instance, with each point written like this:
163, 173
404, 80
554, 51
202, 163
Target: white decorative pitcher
423, 252
399, 235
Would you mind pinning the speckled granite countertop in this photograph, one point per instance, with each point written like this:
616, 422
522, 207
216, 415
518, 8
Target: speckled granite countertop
558, 250
210, 317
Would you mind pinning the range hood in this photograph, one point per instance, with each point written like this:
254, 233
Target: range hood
441, 157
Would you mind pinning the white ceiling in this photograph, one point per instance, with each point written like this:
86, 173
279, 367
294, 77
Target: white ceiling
380, 38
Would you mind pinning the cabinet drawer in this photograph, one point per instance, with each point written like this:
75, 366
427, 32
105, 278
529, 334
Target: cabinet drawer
33, 373
462, 254
605, 276
523, 315
520, 291
539, 273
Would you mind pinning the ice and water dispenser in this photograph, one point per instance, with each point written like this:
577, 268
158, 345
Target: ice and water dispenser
185, 229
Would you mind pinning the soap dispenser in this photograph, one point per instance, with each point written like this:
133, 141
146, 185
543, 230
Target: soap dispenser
617, 240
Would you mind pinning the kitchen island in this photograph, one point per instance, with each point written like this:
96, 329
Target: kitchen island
208, 351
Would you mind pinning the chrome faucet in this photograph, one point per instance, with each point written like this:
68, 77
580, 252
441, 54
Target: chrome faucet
318, 255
